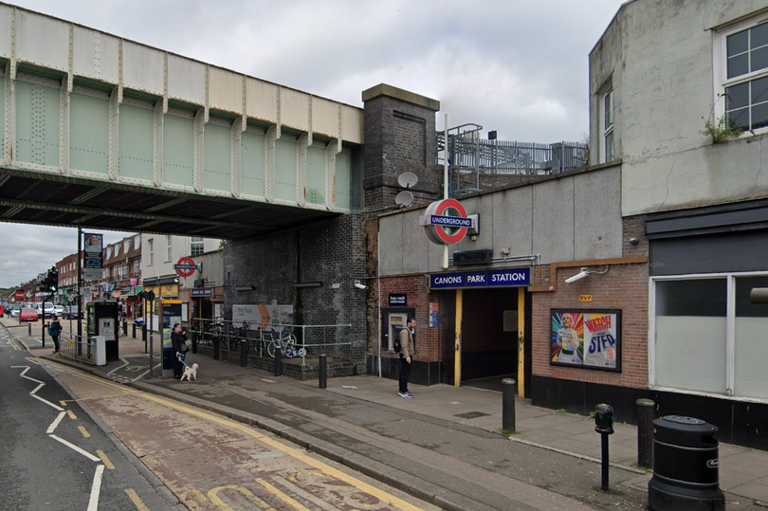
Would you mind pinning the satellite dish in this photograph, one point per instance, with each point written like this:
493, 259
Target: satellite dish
404, 199
407, 180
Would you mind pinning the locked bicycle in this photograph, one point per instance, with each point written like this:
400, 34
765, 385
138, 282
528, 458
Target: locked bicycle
286, 342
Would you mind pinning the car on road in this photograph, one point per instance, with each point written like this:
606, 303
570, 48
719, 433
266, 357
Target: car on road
70, 311
58, 310
45, 309
28, 314
16, 311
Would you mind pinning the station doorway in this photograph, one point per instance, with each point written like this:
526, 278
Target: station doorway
487, 337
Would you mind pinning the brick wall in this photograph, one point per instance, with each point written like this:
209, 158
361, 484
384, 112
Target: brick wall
399, 137
623, 287
331, 252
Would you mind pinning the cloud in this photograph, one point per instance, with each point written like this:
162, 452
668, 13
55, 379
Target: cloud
515, 66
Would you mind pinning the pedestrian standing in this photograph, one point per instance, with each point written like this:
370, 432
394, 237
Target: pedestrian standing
54, 330
179, 345
407, 349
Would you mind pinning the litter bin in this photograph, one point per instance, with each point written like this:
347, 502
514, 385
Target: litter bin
99, 350
685, 466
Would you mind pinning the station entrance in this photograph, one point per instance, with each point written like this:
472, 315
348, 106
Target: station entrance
486, 334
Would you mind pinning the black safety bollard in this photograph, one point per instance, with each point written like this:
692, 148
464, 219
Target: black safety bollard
323, 372
144, 333
134, 330
194, 341
243, 353
604, 426
645, 412
508, 404
125, 327
215, 349
29, 329
278, 361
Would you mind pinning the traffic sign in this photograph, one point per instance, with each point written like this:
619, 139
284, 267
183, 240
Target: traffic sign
185, 267
20, 295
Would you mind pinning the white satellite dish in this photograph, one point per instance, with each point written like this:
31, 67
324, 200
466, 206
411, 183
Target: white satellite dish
404, 199
407, 179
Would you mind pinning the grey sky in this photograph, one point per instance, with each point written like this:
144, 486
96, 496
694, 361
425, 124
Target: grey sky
515, 66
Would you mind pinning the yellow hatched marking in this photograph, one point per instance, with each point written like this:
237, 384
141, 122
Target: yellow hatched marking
70, 413
105, 460
136, 500
32, 360
282, 496
248, 430
199, 496
213, 495
84, 432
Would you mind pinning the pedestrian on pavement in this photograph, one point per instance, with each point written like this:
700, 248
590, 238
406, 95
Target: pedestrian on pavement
179, 345
407, 349
54, 330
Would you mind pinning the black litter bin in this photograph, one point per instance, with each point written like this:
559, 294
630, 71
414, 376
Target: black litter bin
685, 466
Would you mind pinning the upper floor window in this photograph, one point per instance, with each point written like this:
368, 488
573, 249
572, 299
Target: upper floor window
743, 51
197, 245
607, 152
127, 245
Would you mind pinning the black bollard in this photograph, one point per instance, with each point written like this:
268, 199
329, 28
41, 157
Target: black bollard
29, 330
645, 412
243, 353
278, 361
194, 341
508, 404
134, 330
215, 348
323, 372
125, 327
604, 426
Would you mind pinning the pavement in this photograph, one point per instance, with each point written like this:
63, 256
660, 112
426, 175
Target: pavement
444, 446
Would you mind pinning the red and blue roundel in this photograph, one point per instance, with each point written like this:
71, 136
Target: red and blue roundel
446, 222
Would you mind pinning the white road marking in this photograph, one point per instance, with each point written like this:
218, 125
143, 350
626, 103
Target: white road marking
75, 448
55, 423
125, 363
24, 375
93, 503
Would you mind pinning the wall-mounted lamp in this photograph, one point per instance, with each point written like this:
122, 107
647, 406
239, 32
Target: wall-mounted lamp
583, 274
300, 285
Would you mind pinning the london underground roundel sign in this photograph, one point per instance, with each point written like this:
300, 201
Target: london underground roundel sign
446, 222
185, 267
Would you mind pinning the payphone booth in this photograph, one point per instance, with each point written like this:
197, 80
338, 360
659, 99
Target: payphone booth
102, 320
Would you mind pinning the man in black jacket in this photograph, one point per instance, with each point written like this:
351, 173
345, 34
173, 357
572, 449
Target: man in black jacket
179, 344
407, 349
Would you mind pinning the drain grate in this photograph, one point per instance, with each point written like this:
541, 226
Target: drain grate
471, 415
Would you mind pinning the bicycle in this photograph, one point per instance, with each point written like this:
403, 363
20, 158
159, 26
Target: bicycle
238, 337
287, 343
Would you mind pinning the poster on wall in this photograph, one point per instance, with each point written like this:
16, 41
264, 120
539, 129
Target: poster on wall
266, 317
586, 338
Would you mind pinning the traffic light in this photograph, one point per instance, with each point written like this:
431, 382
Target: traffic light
53, 280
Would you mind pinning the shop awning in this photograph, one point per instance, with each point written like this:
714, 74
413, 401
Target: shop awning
137, 290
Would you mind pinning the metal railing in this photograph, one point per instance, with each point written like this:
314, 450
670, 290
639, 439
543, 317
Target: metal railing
469, 156
77, 348
310, 340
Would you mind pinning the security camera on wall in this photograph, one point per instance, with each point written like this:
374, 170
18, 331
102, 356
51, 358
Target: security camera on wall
581, 275
360, 285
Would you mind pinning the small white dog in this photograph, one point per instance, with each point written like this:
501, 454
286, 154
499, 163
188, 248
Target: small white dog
190, 373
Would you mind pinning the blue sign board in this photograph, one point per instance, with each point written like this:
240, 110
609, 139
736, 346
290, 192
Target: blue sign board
484, 278
202, 292
450, 221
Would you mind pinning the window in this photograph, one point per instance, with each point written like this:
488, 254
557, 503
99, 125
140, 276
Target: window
170, 248
197, 245
743, 53
151, 247
127, 246
118, 247
709, 337
109, 252
137, 242
136, 268
607, 152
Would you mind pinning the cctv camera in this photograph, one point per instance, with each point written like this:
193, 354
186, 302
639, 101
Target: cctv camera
358, 285
581, 275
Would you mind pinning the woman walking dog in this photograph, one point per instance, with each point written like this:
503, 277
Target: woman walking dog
179, 345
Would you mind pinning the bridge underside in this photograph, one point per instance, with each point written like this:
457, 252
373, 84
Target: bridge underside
42, 198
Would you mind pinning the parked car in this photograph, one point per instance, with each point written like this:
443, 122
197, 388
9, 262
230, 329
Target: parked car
45, 309
16, 311
139, 322
28, 314
70, 311
58, 310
